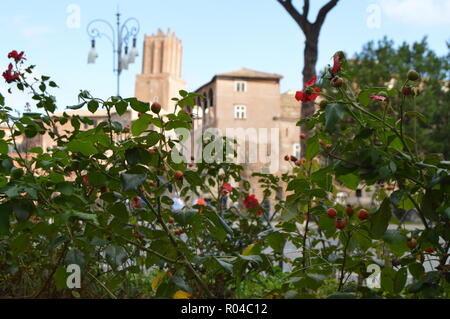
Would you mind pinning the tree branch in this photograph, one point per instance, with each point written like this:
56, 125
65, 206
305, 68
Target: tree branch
301, 19
323, 13
305, 9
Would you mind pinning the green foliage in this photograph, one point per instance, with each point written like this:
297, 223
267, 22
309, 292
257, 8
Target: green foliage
103, 197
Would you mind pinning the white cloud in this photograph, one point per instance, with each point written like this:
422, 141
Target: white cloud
418, 12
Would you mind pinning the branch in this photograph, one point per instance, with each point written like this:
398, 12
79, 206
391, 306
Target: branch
301, 19
324, 11
305, 9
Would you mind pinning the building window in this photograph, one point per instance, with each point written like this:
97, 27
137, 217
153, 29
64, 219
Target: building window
211, 97
296, 150
240, 86
240, 112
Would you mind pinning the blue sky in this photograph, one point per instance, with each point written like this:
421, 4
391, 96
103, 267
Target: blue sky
217, 35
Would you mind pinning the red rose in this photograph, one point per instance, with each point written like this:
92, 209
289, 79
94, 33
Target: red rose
308, 94
250, 201
378, 98
336, 64
16, 56
137, 203
9, 75
201, 202
226, 188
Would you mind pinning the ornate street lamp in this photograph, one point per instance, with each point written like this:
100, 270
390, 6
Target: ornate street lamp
119, 39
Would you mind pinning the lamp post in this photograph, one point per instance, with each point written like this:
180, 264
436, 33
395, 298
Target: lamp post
119, 38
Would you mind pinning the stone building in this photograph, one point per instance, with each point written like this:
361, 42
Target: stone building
160, 79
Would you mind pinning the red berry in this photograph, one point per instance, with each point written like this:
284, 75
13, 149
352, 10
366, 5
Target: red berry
349, 210
340, 223
179, 231
152, 151
331, 212
293, 158
156, 107
363, 214
411, 243
337, 82
178, 175
390, 188
171, 220
286, 157
139, 114
429, 250
302, 136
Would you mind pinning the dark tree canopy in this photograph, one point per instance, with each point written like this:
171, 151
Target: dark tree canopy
380, 62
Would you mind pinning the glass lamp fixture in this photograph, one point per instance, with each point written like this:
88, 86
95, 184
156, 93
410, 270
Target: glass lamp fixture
134, 52
92, 56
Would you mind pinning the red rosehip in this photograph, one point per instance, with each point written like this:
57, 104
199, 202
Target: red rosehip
156, 107
331, 212
363, 214
340, 223
407, 90
178, 175
349, 210
411, 243
337, 82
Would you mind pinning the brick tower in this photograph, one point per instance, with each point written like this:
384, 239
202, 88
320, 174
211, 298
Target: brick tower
160, 79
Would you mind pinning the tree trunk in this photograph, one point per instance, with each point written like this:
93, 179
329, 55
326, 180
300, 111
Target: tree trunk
309, 71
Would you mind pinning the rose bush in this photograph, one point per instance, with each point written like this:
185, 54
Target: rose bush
103, 198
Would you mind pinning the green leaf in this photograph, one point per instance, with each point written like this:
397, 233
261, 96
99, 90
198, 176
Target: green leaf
22, 208
184, 217
312, 147
3, 147
133, 156
119, 210
227, 266
333, 113
137, 105
121, 107
387, 279
342, 295
60, 278
417, 115
400, 280
131, 182
92, 106
75, 256
139, 126
115, 255
380, 220
416, 270
193, 178
277, 241
350, 181
396, 241
84, 147
76, 107
5, 212
364, 98
65, 188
